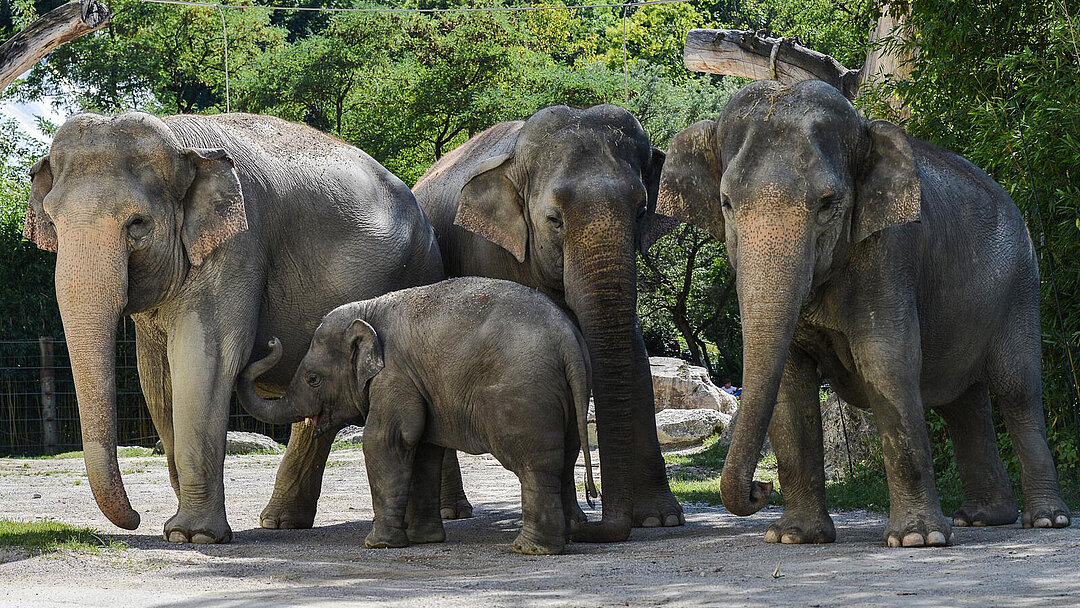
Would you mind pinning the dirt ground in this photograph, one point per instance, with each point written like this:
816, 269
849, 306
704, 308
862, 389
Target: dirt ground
716, 559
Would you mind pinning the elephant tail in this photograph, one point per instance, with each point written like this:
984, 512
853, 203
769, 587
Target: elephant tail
579, 373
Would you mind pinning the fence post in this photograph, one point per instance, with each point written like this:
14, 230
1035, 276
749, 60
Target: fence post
48, 395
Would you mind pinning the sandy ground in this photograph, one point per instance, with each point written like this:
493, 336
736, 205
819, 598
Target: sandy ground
716, 559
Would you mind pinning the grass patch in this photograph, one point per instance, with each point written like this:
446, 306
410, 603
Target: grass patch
345, 445
122, 452
41, 537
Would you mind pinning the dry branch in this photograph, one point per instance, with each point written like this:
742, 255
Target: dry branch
747, 54
54, 28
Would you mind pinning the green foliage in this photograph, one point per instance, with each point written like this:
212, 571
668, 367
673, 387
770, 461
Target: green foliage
49, 536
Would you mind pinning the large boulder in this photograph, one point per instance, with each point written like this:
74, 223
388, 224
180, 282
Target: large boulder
679, 428
351, 434
849, 436
681, 386
241, 442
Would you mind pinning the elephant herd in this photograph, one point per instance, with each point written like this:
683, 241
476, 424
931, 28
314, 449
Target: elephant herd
895, 270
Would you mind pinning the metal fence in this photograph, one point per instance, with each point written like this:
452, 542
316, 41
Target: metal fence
39, 414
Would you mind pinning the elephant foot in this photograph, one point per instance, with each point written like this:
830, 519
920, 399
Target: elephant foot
655, 510
279, 515
926, 529
425, 532
798, 528
458, 508
1049, 512
197, 528
1000, 512
385, 537
528, 545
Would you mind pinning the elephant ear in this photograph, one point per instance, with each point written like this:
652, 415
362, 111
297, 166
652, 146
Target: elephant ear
37, 227
690, 184
888, 189
366, 350
492, 205
653, 226
213, 205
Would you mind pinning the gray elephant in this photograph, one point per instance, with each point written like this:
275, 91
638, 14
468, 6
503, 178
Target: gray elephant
893, 268
559, 202
212, 233
473, 364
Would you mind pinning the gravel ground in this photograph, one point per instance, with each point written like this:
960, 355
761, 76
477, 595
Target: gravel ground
716, 559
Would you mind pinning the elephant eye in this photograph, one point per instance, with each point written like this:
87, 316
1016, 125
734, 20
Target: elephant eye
139, 226
725, 202
554, 220
313, 380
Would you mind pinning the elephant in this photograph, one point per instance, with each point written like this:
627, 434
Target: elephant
212, 233
896, 270
479, 365
559, 202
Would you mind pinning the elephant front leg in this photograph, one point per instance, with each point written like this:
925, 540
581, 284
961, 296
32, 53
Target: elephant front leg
153, 364
654, 504
299, 480
891, 371
202, 382
454, 503
796, 435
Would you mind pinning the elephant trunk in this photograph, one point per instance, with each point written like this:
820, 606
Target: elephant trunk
272, 411
772, 287
602, 293
91, 290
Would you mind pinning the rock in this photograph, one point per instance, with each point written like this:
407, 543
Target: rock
861, 436
350, 434
239, 442
688, 427
682, 386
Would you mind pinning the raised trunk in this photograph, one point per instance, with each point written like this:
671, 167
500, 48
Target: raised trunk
272, 411
601, 290
91, 290
771, 292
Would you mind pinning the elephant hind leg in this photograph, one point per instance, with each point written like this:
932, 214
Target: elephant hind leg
543, 530
299, 480
988, 495
1016, 382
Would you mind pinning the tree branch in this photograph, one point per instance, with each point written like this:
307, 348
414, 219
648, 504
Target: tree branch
746, 54
56, 27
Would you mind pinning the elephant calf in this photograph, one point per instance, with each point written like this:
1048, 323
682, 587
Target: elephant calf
478, 365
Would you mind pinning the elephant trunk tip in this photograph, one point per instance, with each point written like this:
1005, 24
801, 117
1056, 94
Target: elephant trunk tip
742, 503
108, 487
260, 367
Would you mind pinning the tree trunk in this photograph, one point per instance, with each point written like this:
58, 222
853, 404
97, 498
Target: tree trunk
54, 28
751, 55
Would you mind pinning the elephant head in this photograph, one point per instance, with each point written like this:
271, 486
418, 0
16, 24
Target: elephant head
129, 212
790, 178
330, 385
573, 199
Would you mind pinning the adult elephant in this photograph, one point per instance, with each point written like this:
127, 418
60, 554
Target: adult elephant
895, 269
560, 202
213, 233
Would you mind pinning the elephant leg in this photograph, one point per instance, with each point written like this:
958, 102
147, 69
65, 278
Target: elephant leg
1016, 382
153, 364
543, 529
988, 495
454, 503
890, 367
796, 435
392, 434
204, 363
423, 523
654, 504
299, 480
571, 508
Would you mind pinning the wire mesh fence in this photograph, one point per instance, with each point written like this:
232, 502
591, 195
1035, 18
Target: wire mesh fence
29, 427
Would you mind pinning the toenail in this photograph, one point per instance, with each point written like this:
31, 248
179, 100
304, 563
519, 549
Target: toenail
936, 539
913, 539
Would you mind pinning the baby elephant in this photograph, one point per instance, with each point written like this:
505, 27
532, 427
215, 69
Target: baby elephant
478, 365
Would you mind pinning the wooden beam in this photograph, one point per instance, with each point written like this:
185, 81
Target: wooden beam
56, 27
750, 55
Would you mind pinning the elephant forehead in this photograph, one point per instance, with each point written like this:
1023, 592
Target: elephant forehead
125, 142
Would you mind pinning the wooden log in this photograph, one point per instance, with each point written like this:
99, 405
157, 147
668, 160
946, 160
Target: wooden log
750, 55
48, 396
56, 27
